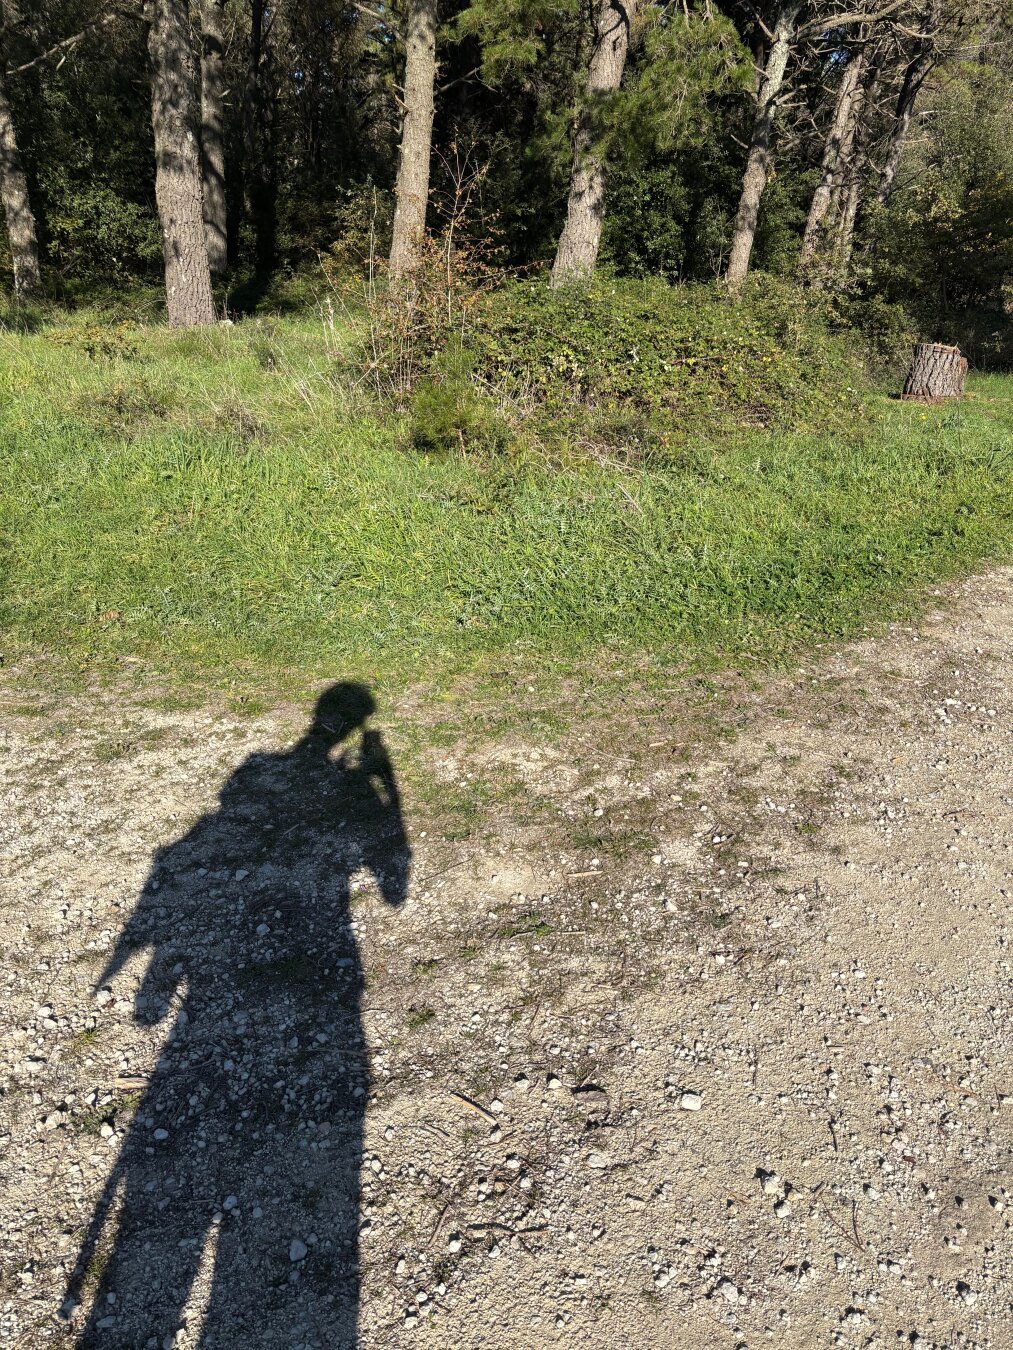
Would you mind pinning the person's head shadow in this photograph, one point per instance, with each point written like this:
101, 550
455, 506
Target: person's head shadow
237, 1172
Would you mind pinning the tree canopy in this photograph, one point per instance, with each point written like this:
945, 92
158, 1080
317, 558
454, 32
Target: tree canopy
865, 146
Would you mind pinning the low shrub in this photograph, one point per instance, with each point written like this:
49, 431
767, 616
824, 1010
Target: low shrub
644, 369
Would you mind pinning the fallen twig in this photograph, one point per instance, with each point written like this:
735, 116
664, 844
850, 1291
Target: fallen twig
474, 1106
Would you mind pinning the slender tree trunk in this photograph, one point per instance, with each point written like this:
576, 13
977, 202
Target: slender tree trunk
412, 189
212, 133
259, 169
850, 83
854, 172
760, 160
914, 77
17, 208
577, 251
178, 188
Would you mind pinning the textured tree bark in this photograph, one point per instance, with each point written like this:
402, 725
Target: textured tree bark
760, 160
936, 372
411, 194
577, 251
852, 175
850, 84
212, 133
178, 187
17, 207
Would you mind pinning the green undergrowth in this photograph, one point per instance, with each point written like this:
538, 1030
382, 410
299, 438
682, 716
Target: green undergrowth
643, 370
227, 498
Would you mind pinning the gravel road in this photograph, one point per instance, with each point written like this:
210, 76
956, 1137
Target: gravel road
692, 1037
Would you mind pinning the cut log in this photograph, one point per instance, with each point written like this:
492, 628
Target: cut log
937, 372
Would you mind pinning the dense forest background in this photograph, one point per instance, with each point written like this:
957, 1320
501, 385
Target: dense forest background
885, 156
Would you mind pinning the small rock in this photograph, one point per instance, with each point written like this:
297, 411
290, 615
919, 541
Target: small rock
783, 1210
297, 1251
772, 1184
691, 1101
728, 1290
596, 1159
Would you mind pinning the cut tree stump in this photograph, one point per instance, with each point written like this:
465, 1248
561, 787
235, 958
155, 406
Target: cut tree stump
937, 372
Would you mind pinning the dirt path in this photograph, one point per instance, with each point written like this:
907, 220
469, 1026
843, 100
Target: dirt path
695, 1041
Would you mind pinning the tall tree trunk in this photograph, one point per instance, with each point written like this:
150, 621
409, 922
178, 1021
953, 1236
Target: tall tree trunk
854, 171
212, 133
412, 189
178, 188
17, 208
759, 162
577, 251
914, 77
850, 83
259, 167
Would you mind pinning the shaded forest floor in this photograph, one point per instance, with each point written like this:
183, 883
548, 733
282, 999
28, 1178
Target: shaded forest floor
692, 1024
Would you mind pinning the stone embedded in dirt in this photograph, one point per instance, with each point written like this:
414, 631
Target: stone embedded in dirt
554, 1083
771, 1183
591, 1098
691, 1101
728, 1289
596, 1159
297, 1250
454, 1243
783, 1210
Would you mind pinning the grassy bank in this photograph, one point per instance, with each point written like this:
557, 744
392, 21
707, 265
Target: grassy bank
208, 499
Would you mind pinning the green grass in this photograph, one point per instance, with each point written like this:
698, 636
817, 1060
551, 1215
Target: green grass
223, 499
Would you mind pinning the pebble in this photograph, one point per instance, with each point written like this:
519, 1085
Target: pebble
596, 1159
691, 1101
728, 1290
772, 1184
297, 1250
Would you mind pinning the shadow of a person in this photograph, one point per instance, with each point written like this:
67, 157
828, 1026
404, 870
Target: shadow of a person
235, 1195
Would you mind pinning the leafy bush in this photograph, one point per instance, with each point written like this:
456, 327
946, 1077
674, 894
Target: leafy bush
642, 368
450, 412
